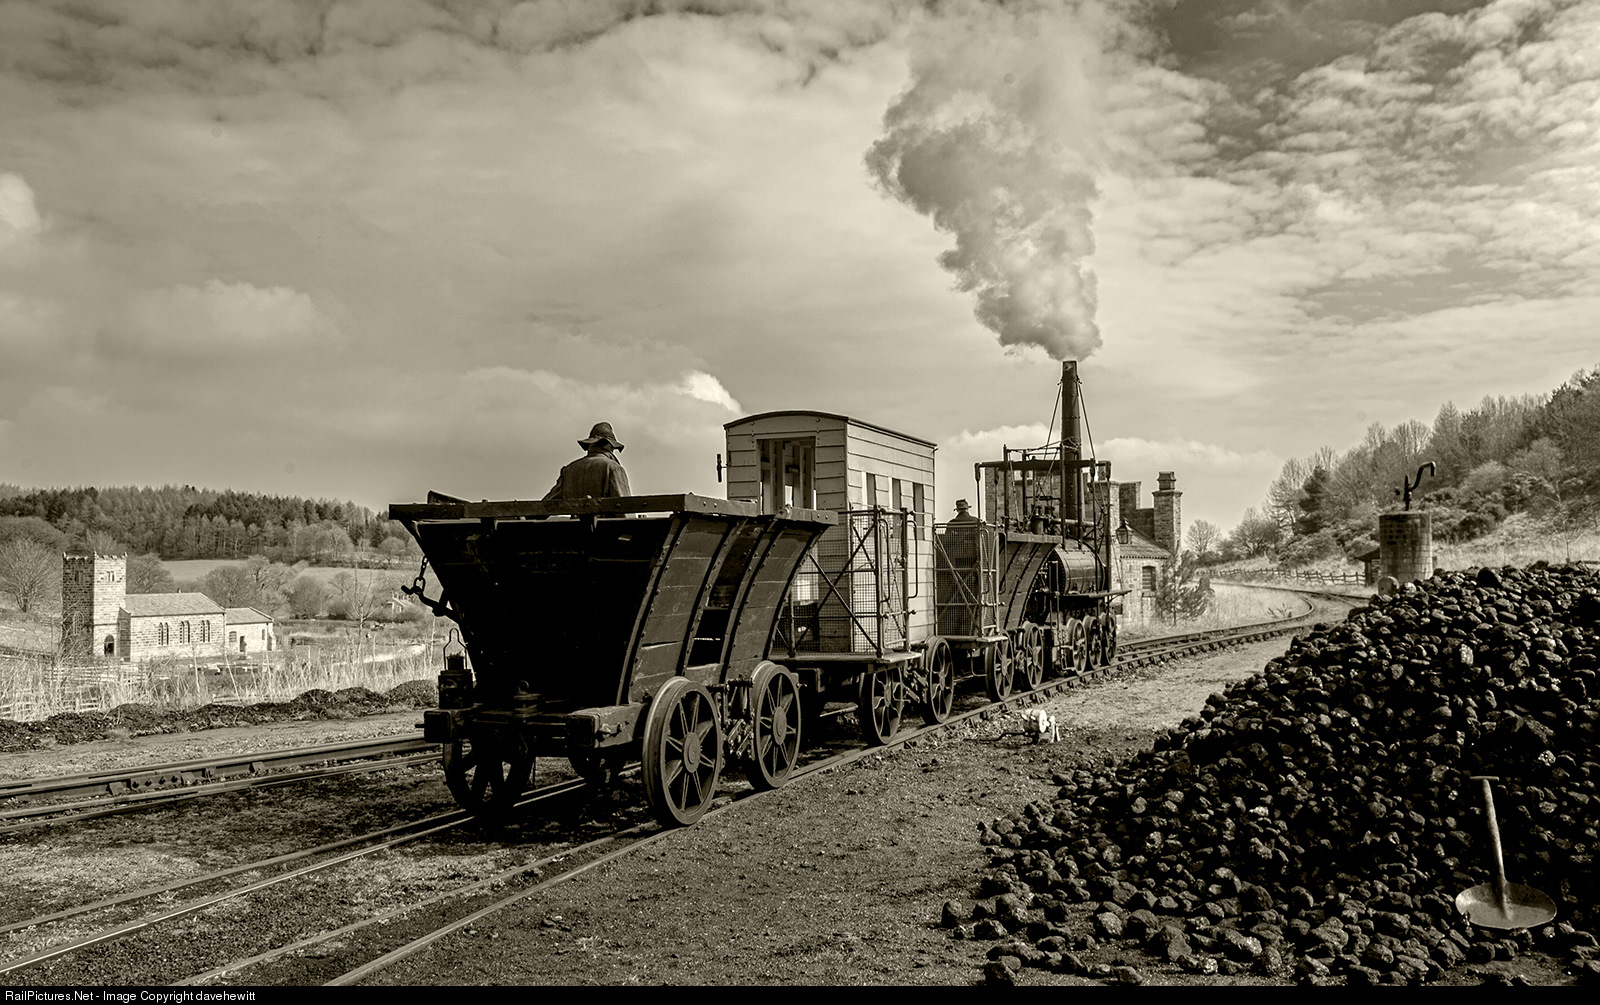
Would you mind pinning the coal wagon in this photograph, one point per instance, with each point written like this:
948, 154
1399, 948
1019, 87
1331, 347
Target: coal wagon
608, 630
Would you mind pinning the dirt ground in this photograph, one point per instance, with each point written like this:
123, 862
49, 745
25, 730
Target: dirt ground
838, 879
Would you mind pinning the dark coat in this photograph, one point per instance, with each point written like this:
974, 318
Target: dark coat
597, 476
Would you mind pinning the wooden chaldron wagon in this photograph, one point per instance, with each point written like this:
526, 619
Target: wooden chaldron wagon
608, 630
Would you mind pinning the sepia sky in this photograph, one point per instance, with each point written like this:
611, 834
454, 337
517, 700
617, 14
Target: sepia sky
364, 249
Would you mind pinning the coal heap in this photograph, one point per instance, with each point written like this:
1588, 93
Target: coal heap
1319, 817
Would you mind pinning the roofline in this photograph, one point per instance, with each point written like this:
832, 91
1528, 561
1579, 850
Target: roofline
831, 415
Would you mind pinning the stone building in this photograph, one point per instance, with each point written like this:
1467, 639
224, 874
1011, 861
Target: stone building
101, 620
1147, 539
250, 631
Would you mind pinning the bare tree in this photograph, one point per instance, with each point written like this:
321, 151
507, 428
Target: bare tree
1203, 537
27, 569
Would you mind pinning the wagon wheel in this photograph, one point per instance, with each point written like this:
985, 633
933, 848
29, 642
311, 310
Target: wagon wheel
775, 715
487, 774
881, 702
682, 752
1108, 639
997, 676
939, 681
1030, 658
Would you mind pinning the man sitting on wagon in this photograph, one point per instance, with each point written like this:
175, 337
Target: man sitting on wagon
598, 474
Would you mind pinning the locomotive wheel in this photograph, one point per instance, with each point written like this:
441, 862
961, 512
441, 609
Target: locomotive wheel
1093, 642
1108, 639
487, 774
998, 678
1079, 644
939, 681
881, 702
682, 752
1030, 658
775, 715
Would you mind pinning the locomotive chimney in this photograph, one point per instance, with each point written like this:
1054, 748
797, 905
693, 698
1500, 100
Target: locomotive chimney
1071, 445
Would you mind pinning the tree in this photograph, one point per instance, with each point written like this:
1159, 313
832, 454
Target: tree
307, 596
1204, 537
146, 574
1181, 593
27, 570
1313, 495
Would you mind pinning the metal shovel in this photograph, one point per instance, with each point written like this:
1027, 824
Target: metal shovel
1500, 904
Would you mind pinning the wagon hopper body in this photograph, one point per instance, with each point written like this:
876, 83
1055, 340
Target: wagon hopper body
607, 629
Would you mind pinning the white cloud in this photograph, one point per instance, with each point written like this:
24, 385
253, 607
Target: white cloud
705, 387
20, 222
220, 319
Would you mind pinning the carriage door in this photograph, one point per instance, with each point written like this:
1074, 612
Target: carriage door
788, 474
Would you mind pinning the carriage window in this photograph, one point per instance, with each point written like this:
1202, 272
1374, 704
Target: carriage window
872, 491
919, 507
896, 497
788, 474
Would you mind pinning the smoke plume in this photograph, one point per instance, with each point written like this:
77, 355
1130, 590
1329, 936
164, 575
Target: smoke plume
994, 141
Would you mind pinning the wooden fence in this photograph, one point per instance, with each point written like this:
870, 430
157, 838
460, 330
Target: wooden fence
1314, 577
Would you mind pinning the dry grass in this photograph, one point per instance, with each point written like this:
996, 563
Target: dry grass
35, 688
1230, 607
1521, 540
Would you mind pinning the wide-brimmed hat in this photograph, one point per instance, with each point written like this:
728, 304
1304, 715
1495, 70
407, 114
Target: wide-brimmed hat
601, 431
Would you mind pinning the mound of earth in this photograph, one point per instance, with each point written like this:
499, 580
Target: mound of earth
146, 720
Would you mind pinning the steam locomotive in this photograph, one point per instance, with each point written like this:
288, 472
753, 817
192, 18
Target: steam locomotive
682, 631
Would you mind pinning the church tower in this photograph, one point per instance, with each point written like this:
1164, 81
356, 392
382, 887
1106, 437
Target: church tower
93, 592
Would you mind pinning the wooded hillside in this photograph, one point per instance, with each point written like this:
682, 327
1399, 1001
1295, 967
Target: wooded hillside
1537, 454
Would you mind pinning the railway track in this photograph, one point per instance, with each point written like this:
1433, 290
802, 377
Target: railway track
70, 798
382, 931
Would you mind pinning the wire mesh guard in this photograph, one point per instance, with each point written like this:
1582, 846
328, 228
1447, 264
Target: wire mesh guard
850, 595
966, 578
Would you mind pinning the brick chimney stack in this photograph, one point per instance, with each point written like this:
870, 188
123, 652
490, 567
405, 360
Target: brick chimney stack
1169, 513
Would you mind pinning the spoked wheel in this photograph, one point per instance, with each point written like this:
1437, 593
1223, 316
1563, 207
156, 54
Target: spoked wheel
939, 681
682, 752
775, 715
487, 774
1030, 657
881, 702
998, 679
1093, 643
1108, 639
1078, 645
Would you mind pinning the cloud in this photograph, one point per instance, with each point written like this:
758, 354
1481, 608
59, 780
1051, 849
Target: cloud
705, 387
227, 319
20, 223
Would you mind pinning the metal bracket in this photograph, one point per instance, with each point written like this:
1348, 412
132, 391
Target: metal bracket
1411, 484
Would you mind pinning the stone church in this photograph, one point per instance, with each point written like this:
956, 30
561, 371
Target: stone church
101, 620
